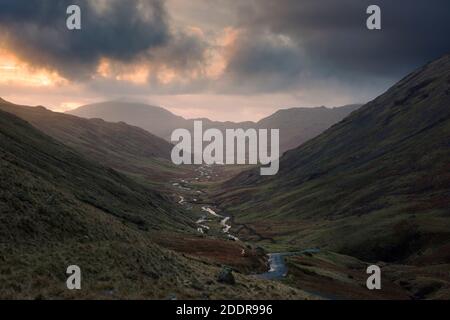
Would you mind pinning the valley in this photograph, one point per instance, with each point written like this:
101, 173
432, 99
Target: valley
374, 187
353, 193
59, 208
319, 272
225, 150
371, 189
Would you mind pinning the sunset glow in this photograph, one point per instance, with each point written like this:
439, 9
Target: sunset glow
227, 60
16, 72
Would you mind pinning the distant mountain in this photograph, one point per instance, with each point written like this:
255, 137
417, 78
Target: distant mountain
117, 145
375, 185
156, 120
296, 125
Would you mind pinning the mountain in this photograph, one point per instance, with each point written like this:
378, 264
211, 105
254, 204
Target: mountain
375, 185
156, 120
40, 172
296, 125
118, 145
58, 209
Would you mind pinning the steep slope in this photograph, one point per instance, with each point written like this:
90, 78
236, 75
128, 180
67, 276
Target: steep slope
296, 125
376, 185
31, 160
59, 209
118, 145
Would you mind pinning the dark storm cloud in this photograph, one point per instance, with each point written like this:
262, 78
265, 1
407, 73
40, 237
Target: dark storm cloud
333, 38
121, 30
282, 45
261, 62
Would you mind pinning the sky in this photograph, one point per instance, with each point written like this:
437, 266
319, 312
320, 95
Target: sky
222, 59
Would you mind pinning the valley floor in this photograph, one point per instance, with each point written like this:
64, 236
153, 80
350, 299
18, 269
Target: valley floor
323, 274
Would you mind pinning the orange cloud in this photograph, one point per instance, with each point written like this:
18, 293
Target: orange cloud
220, 53
229, 37
213, 67
134, 73
13, 71
139, 72
166, 75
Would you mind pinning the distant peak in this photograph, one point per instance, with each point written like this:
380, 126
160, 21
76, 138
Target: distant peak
123, 103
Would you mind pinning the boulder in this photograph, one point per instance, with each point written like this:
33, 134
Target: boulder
226, 276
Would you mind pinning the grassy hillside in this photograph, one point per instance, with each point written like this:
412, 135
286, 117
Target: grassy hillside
59, 209
376, 185
39, 172
117, 145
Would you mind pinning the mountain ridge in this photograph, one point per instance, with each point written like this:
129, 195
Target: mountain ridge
119, 145
297, 126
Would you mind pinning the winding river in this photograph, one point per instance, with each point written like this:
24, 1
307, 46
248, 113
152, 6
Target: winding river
278, 268
223, 222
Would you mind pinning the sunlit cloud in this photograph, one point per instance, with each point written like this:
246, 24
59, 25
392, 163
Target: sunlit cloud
219, 53
164, 72
13, 71
133, 73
